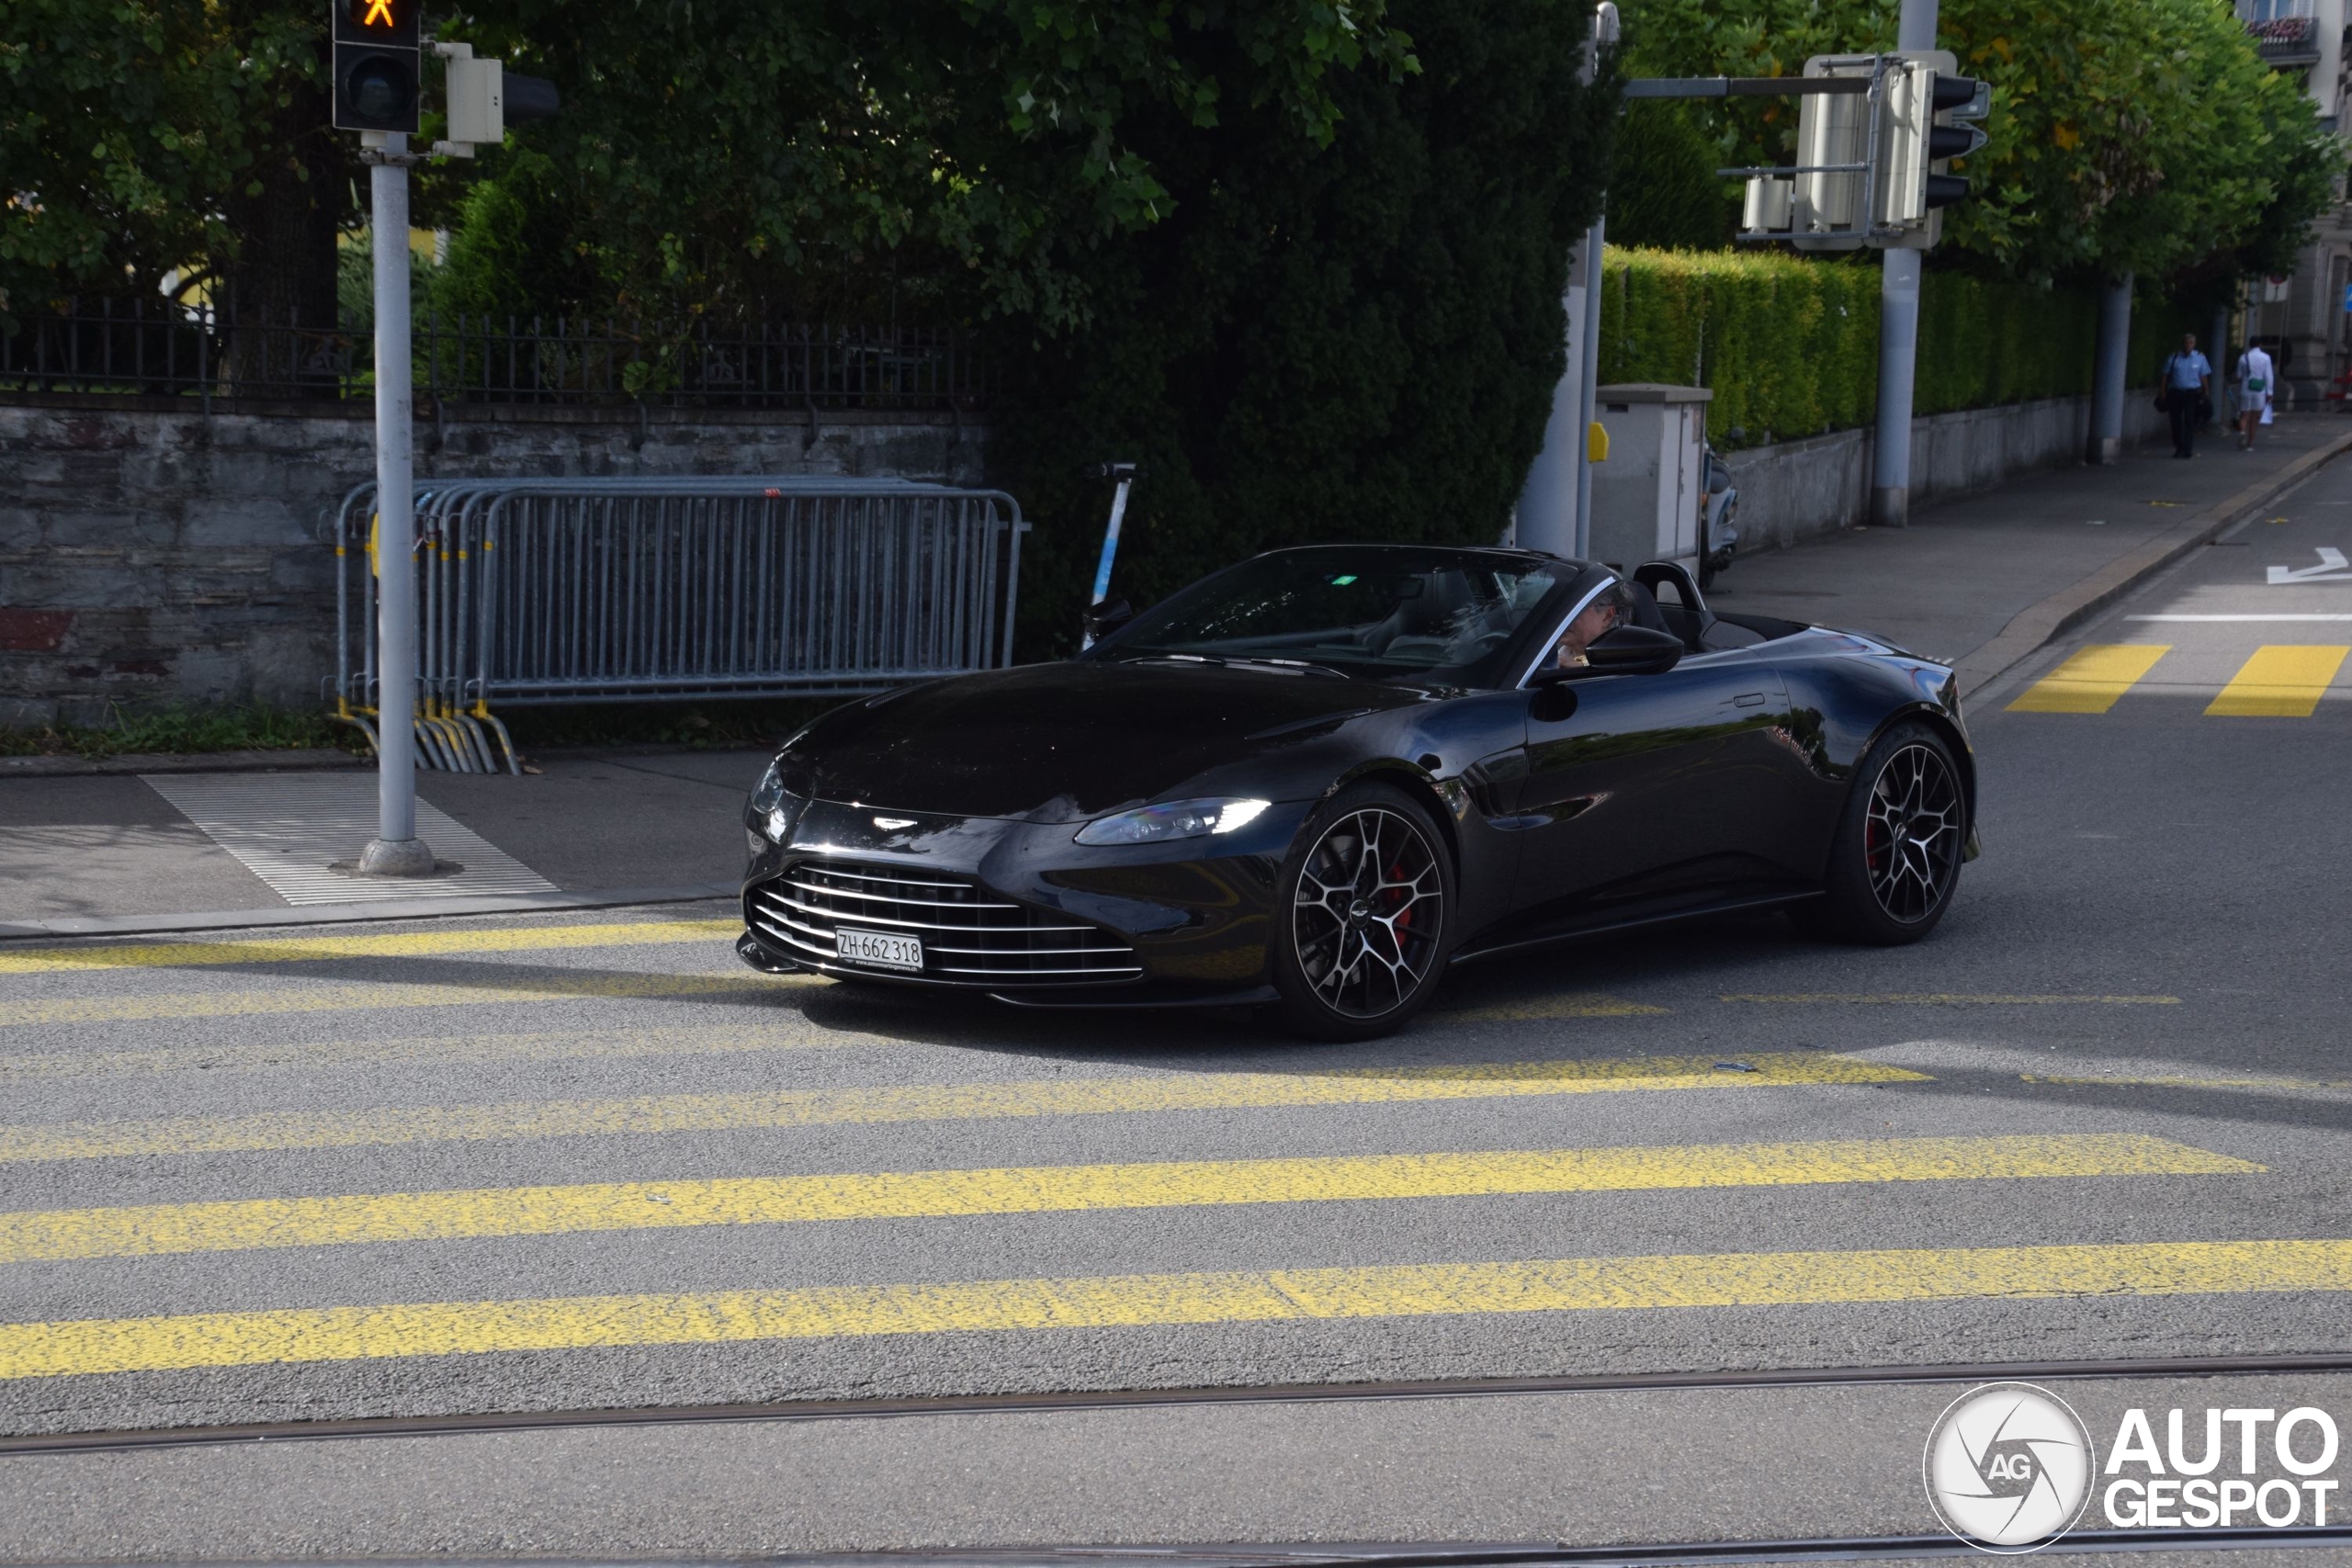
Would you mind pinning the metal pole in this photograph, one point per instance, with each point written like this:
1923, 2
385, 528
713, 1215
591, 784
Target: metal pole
396, 849
1595, 268
1556, 501
1548, 508
2107, 371
1898, 334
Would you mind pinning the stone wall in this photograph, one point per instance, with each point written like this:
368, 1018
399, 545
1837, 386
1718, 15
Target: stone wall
1795, 489
157, 553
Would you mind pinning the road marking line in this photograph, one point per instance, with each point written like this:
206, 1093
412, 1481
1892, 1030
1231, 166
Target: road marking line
2282, 681
411, 945
155, 1229
1574, 1004
2091, 679
1946, 998
1574, 1284
924, 1102
787, 1032
2186, 1080
2210, 619
489, 990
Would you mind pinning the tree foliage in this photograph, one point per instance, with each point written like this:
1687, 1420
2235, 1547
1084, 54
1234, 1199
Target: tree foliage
2143, 137
1355, 341
133, 134
1663, 192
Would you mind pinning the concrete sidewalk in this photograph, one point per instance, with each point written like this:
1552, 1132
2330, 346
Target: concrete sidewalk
123, 853
1952, 582
1982, 581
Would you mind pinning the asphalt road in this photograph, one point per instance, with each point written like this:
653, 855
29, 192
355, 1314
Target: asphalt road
590, 1162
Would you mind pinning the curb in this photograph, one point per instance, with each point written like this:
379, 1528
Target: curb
338, 914
2036, 626
295, 760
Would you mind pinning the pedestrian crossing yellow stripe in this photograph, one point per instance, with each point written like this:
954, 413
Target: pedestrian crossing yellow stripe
788, 1030
1141, 1093
2091, 679
1946, 999
488, 989
401, 944
1572, 1004
150, 1230
1133, 1300
2279, 681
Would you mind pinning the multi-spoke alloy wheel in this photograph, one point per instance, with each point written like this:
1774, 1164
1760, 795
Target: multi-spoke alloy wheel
1911, 838
1900, 842
1367, 913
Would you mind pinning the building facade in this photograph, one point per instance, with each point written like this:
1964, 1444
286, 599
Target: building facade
2303, 319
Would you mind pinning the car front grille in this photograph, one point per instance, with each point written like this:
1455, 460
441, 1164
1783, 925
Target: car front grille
971, 935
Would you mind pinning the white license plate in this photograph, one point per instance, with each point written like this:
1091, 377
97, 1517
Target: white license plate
880, 950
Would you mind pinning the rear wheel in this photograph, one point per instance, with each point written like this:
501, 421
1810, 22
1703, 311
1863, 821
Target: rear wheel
1896, 859
1366, 898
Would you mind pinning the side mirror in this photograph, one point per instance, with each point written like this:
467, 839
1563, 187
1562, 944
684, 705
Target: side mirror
1107, 617
1633, 650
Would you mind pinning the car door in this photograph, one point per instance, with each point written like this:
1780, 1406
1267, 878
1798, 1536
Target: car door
1659, 790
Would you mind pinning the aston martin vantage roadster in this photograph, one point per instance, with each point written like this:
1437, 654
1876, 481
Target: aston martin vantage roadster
1313, 781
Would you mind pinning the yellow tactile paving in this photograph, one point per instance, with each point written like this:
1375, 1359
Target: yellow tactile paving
1575, 1284
403, 944
150, 1230
2091, 679
2282, 681
923, 1103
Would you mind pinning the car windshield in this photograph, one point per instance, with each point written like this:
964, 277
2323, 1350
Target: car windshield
1382, 612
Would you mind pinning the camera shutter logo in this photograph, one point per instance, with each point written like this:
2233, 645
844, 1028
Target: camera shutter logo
2008, 1467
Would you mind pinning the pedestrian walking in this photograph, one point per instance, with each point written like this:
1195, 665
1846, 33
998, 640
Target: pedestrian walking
2187, 392
2257, 381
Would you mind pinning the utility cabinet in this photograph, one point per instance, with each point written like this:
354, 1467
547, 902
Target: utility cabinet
1646, 496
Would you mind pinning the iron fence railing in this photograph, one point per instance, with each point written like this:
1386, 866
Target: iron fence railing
151, 346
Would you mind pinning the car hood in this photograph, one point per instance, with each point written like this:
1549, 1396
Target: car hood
1066, 742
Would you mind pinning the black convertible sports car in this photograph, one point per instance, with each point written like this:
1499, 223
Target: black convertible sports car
1315, 779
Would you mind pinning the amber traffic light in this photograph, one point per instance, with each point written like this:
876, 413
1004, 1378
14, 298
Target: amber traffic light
375, 64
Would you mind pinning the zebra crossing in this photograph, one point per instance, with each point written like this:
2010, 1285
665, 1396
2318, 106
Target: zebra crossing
2275, 681
803, 1178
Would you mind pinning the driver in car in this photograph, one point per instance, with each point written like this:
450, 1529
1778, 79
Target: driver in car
1609, 608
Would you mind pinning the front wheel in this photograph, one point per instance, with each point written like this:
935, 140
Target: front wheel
1364, 907
1895, 860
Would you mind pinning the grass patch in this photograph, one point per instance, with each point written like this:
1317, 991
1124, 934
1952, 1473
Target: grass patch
174, 729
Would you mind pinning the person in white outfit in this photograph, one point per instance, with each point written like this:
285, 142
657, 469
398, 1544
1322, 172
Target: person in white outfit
2257, 381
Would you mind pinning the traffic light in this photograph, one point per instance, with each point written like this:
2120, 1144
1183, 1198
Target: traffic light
375, 64
1829, 205
1930, 111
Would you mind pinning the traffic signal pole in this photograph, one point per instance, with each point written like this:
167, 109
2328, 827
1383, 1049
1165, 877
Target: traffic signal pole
1898, 334
396, 851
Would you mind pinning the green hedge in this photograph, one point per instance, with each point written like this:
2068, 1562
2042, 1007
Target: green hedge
1790, 345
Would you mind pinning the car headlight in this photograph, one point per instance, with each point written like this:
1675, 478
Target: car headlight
1183, 820
771, 803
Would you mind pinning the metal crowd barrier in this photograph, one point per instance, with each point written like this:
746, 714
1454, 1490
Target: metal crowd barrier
648, 589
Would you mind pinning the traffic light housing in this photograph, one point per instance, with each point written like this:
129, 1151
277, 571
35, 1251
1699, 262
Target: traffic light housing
1930, 119
376, 64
